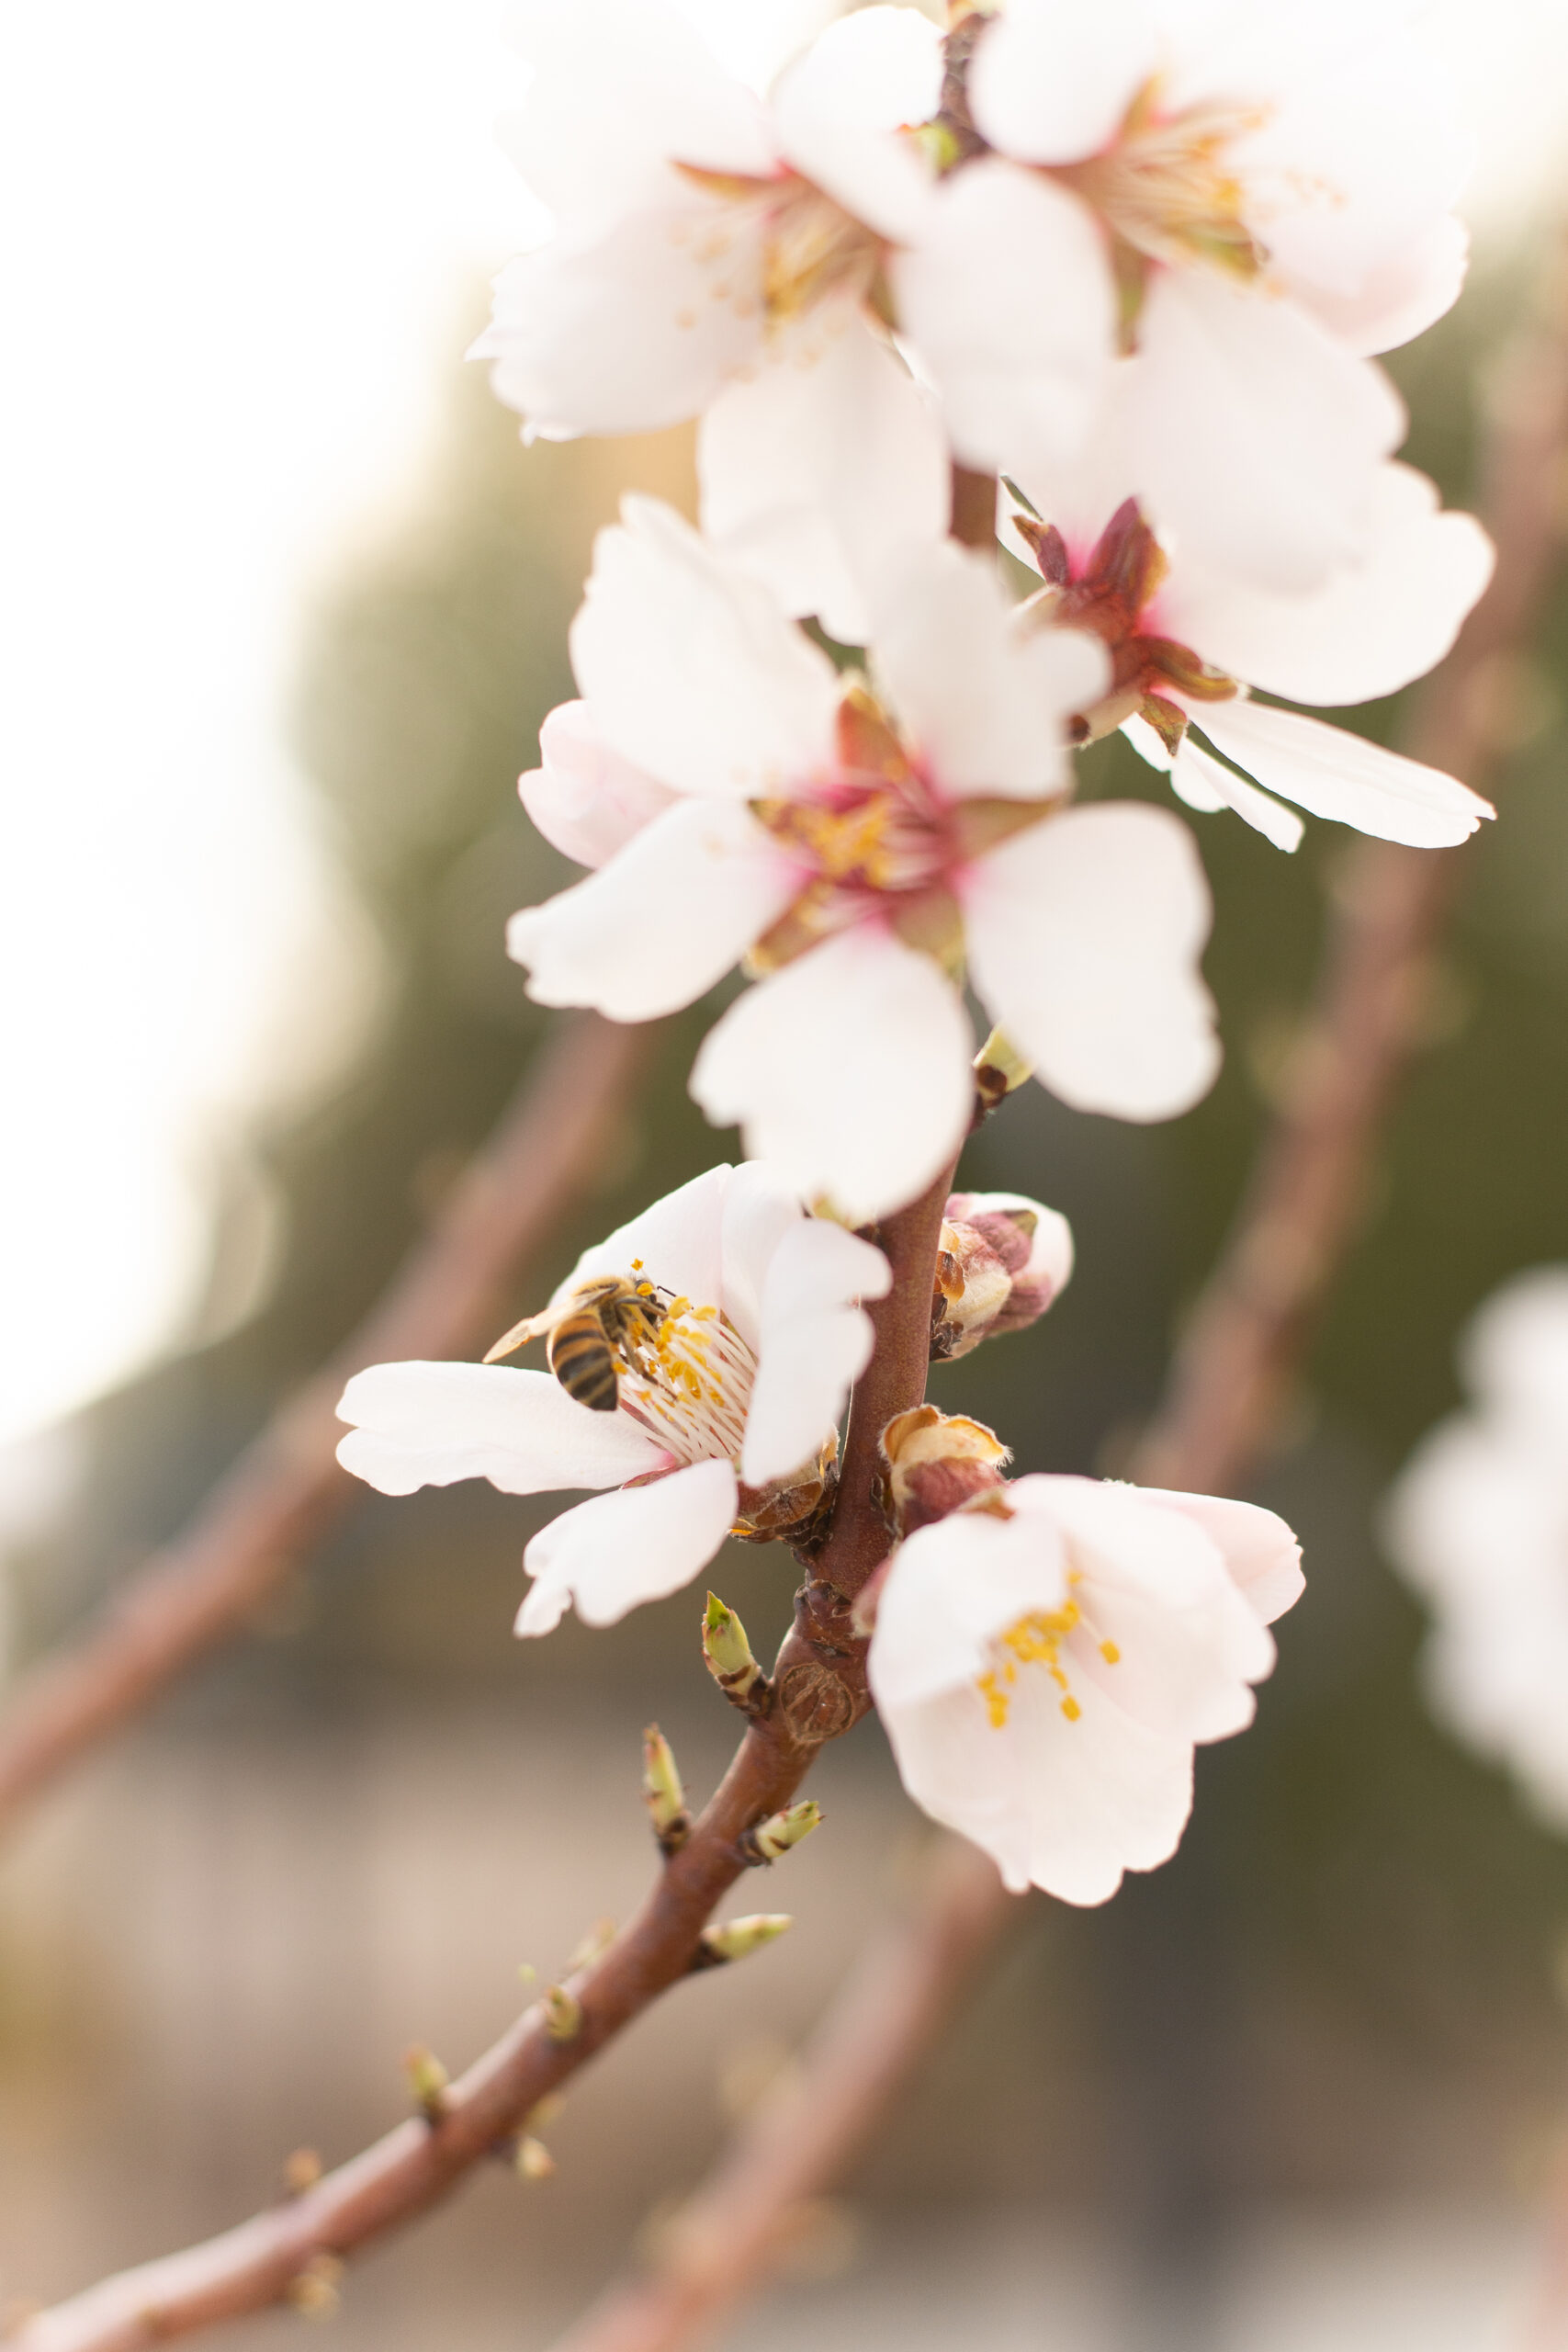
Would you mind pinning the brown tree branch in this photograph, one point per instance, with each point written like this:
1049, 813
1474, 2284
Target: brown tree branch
738, 2226
1227, 1390
818, 1692
285, 1489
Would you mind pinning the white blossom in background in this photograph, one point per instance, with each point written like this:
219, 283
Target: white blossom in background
1478, 1521
719, 254
1201, 215
1045, 1658
860, 846
1183, 635
730, 1417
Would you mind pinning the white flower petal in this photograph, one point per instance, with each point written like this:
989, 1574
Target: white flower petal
823, 468
585, 799
431, 1424
1253, 435
814, 1341
1261, 1553
1051, 82
608, 1555
1515, 1357
616, 329
1009, 299
1204, 784
1402, 300
985, 701
1370, 627
1084, 937
849, 1069
669, 915
679, 1242
838, 112
1156, 1584
1334, 774
953, 1588
691, 669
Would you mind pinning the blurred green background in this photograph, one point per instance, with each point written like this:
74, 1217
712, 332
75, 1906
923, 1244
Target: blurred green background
346, 1831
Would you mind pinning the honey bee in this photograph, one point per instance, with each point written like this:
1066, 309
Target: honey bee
586, 1332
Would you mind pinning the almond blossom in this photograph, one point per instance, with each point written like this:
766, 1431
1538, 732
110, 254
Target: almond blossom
720, 254
726, 1418
1478, 1521
1045, 1658
1201, 214
1182, 637
1002, 1261
859, 843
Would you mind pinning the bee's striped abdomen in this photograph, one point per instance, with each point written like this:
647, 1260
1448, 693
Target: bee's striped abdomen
583, 1362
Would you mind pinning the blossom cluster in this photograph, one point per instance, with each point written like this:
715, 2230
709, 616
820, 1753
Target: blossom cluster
1032, 360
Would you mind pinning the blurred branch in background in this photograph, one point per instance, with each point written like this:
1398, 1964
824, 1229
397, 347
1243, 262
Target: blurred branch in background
1229, 1388
285, 1489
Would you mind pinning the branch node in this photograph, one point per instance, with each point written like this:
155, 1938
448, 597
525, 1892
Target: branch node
532, 2160
315, 2292
428, 2079
563, 2014
301, 2171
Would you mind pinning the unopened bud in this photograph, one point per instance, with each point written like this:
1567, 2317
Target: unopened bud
935, 1461
563, 2014
428, 2079
998, 1068
781, 1831
534, 2160
313, 2291
728, 1652
738, 1938
594, 1945
546, 2110
663, 1792
1001, 1262
301, 2171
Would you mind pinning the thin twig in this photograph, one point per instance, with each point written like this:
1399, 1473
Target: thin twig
1227, 1391
285, 1489
819, 1687
740, 2223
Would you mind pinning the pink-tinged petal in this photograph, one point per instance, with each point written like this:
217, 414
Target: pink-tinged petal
814, 1341
607, 1556
691, 669
585, 799
617, 328
431, 1424
1336, 775
1066, 1806
1153, 1585
663, 921
823, 468
1261, 1554
678, 1243
1049, 1264
985, 702
1370, 628
1008, 297
1253, 435
1084, 937
953, 1588
1051, 82
1204, 784
1403, 297
756, 42
849, 1069
838, 112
